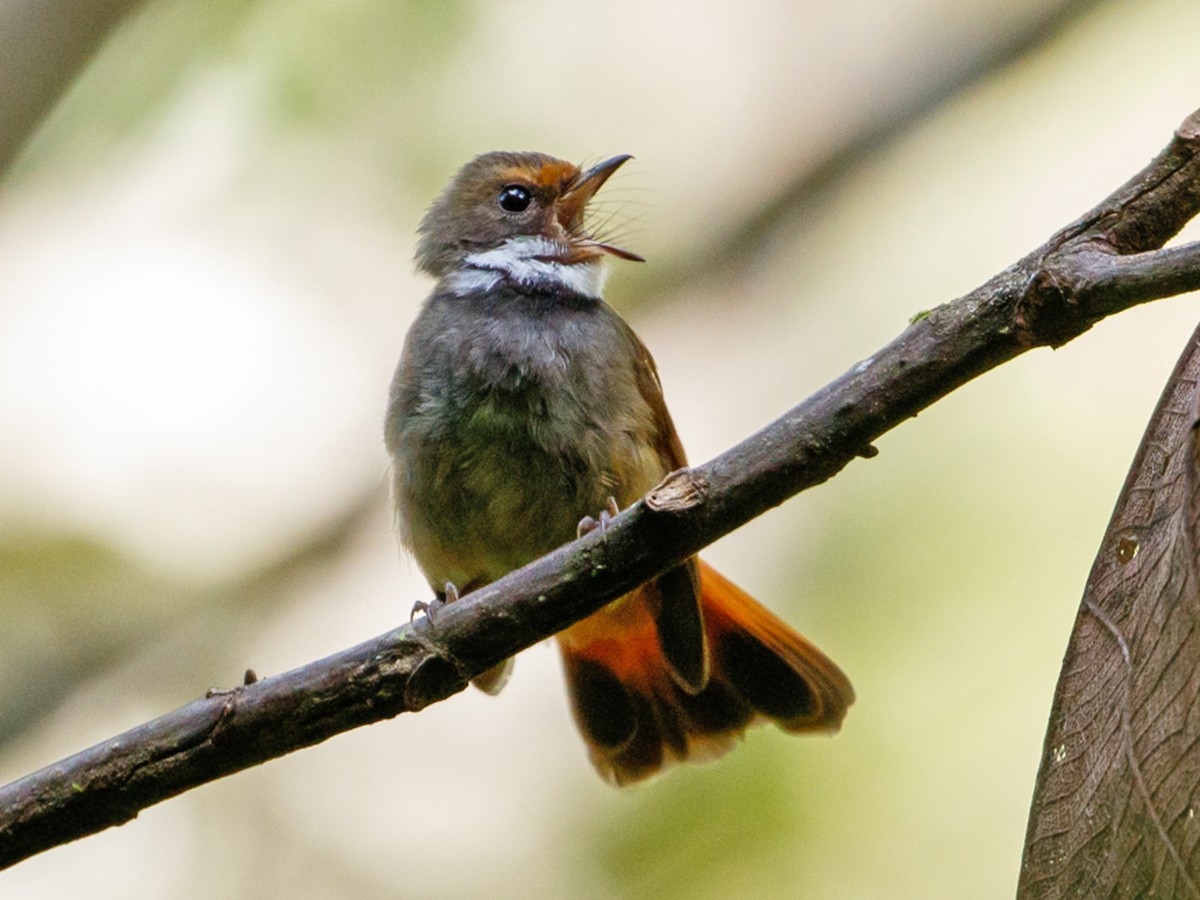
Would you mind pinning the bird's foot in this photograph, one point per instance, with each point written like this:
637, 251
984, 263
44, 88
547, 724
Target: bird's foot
447, 595
587, 524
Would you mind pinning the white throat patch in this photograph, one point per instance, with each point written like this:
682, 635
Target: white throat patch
528, 261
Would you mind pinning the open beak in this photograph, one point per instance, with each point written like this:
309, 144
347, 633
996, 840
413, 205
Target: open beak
571, 204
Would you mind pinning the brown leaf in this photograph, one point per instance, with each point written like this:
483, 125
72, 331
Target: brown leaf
1115, 808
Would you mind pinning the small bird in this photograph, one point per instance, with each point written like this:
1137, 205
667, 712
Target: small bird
521, 406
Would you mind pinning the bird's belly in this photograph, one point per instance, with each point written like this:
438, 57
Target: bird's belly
493, 494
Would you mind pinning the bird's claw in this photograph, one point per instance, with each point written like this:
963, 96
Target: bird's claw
449, 594
587, 524
425, 609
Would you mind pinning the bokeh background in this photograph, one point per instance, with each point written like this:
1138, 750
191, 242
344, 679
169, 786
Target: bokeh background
205, 280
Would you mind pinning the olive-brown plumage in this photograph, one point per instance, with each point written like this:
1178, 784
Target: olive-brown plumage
522, 403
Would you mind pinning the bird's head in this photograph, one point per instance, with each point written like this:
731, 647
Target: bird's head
521, 216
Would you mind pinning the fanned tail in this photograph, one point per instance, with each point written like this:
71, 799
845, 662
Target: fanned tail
637, 718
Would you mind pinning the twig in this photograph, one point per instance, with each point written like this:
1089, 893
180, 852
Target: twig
896, 116
43, 46
1095, 267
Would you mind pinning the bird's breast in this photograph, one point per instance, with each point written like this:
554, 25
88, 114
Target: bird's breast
512, 425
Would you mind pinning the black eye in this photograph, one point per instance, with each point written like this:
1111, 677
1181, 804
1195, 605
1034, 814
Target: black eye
515, 198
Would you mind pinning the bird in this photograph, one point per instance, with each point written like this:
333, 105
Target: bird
521, 406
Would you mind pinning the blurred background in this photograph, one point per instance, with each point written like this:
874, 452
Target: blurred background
205, 279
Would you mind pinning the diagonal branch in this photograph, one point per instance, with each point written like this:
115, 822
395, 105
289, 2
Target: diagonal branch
1106, 262
43, 46
896, 116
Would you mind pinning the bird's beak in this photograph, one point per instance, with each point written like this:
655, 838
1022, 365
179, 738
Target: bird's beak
571, 204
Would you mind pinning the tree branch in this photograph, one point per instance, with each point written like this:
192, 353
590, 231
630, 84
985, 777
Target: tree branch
1103, 263
43, 46
896, 116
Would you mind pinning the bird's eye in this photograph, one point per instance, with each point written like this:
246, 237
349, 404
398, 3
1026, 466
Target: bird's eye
514, 198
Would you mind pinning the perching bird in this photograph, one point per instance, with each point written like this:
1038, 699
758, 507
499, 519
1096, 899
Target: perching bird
524, 404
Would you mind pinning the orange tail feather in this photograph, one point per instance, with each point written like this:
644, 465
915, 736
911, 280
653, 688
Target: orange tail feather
636, 718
